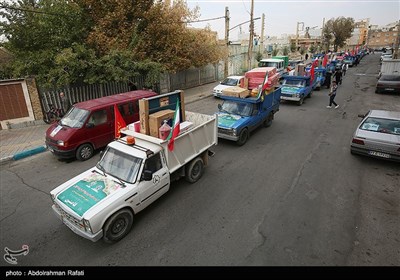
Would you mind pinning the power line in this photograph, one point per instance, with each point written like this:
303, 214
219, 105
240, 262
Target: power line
31, 11
204, 20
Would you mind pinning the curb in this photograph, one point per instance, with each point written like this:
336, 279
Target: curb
199, 98
23, 154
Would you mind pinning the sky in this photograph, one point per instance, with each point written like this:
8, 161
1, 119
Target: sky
281, 17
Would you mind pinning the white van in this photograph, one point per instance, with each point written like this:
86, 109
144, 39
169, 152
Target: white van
274, 62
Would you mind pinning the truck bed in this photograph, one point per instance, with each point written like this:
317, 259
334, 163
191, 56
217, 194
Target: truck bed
189, 144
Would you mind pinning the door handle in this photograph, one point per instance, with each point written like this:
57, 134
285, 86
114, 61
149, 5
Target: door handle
164, 174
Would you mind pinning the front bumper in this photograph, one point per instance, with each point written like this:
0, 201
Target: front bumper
290, 98
228, 137
92, 237
60, 153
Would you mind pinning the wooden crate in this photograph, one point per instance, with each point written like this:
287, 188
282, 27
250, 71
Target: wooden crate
156, 120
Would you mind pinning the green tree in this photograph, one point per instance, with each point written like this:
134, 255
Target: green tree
312, 49
293, 47
259, 56
36, 31
285, 50
275, 51
337, 31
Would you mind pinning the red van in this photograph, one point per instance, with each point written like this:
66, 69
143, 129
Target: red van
89, 125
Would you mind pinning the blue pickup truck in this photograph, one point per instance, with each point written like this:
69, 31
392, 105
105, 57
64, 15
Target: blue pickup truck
320, 77
296, 88
237, 117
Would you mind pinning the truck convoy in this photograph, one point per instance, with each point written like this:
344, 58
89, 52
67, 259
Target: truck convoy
134, 171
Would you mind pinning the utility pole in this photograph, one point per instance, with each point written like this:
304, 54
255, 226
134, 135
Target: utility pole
397, 43
250, 51
226, 60
261, 47
297, 33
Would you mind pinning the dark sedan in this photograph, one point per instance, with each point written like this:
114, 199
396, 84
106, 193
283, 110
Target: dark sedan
378, 135
388, 83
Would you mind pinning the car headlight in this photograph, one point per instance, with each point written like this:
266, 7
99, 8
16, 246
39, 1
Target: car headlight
297, 95
87, 225
234, 131
60, 143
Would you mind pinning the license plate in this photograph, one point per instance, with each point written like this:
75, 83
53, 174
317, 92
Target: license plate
389, 89
378, 154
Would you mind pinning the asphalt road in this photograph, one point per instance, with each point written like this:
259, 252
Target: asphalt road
293, 195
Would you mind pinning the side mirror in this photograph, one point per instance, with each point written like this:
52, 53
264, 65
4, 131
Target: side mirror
219, 106
147, 175
90, 125
101, 154
361, 116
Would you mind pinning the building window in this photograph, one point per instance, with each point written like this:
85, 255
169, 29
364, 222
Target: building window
394, 34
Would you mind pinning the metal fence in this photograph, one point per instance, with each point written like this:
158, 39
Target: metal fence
169, 82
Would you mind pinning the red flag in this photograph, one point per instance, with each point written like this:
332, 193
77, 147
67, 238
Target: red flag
312, 72
119, 122
175, 127
325, 61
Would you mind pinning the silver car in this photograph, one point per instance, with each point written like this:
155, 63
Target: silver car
378, 135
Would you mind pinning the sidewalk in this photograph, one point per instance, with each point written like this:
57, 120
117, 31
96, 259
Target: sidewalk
18, 143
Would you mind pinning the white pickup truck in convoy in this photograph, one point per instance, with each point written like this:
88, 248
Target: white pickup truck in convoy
101, 202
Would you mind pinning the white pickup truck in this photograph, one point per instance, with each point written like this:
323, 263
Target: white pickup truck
101, 201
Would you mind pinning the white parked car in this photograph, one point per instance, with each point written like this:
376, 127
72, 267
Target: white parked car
230, 81
378, 135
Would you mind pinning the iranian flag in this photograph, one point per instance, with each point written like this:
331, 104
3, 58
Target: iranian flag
119, 122
175, 127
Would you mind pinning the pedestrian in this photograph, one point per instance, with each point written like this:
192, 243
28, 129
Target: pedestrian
338, 76
345, 66
332, 95
65, 104
328, 79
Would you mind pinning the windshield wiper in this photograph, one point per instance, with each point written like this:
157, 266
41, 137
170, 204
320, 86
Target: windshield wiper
99, 166
119, 182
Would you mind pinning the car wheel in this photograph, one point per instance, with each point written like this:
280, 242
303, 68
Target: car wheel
243, 136
268, 121
118, 226
194, 170
84, 152
300, 102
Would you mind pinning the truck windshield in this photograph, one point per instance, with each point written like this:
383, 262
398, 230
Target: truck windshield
294, 83
75, 118
241, 109
267, 64
120, 165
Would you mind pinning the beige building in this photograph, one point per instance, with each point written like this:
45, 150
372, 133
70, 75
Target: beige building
387, 36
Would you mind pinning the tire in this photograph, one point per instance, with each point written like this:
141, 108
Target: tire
300, 102
194, 170
118, 226
243, 136
268, 120
84, 152
309, 95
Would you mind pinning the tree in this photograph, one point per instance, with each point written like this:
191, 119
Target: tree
337, 31
36, 31
292, 46
312, 49
259, 56
165, 38
275, 51
285, 50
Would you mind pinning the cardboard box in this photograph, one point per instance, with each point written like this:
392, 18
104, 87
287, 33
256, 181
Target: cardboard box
236, 92
166, 101
156, 120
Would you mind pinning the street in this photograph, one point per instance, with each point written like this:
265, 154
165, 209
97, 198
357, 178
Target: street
293, 195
